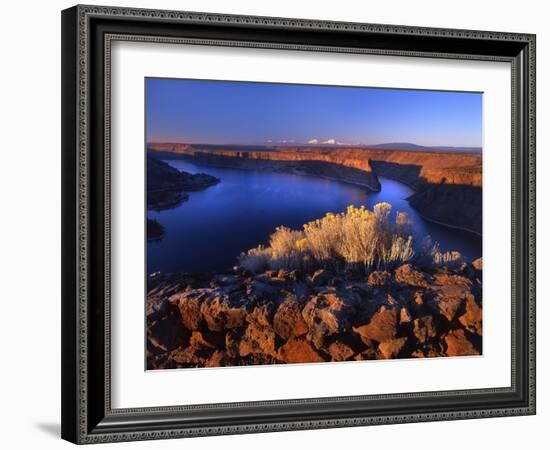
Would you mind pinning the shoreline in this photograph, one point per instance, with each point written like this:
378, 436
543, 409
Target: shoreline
298, 172
293, 171
456, 227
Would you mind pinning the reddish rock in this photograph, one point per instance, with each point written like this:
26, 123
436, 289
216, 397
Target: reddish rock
446, 279
381, 327
472, 318
340, 351
258, 340
450, 300
220, 314
458, 344
379, 278
406, 274
449, 307
232, 341
404, 316
418, 299
367, 355
329, 314
262, 314
298, 350
424, 329
191, 356
288, 321
189, 305
207, 339
218, 359
478, 264
391, 349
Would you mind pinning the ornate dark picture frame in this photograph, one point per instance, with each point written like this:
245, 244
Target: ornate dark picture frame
87, 34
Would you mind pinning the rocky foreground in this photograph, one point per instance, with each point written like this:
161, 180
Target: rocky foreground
287, 317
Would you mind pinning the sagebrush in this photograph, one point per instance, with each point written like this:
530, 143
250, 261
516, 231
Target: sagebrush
357, 239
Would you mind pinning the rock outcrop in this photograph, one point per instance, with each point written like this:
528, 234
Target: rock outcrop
287, 317
167, 187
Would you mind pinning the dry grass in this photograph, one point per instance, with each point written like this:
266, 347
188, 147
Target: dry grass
358, 239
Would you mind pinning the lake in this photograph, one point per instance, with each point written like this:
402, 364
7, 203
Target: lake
208, 232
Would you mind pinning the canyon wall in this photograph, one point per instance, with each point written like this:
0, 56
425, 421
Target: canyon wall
447, 185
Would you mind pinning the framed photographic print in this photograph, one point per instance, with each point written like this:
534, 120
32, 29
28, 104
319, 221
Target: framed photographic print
281, 224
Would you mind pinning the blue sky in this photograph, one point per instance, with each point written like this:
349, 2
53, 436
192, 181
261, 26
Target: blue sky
224, 112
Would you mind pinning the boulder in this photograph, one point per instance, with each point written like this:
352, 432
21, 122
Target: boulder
258, 340
288, 321
218, 359
392, 348
232, 341
472, 317
189, 305
407, 274
299, 350
207, 339
340, 351
367, 355
424, 329
381, 327
449, 307
220, 313
404, 316
262, 314
379, 278
478, 264
446, 279
458, 344
449, 300
329, 314
191, 356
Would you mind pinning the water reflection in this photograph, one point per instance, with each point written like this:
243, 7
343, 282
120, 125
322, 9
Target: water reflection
210, 230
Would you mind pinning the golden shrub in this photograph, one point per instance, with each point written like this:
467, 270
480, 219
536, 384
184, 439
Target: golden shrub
356, 238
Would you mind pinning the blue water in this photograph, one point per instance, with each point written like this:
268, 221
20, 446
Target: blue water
209, 231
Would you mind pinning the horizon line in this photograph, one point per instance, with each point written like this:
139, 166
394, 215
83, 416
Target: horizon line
305, 144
